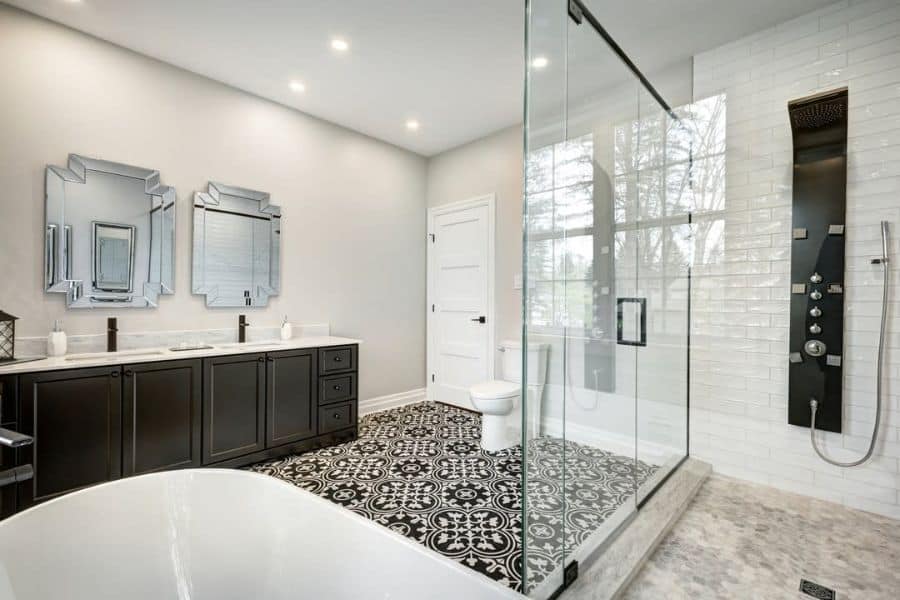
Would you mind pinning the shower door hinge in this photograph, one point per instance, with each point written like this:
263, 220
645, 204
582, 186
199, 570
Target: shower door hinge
576, 11
570, 574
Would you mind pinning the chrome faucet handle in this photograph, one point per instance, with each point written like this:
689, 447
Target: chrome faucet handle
14, 439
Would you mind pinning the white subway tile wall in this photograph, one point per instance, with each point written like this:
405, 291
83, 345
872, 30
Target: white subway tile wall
740, 300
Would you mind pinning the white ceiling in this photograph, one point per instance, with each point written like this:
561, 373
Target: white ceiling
453, 65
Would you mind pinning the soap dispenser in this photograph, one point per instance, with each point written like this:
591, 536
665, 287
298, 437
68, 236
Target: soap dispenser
287, 331
56, 341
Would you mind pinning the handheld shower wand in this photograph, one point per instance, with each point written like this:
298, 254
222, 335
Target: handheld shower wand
814, 404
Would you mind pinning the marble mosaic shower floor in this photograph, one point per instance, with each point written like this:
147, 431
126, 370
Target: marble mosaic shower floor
420, 470
742, 540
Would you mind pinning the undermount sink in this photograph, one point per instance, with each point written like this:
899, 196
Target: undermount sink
253, 344
113, 355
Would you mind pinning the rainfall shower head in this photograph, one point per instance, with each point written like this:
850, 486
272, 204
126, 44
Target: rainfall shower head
818, 114
820, 119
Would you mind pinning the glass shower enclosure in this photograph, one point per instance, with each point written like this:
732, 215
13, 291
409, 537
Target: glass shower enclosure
611, 205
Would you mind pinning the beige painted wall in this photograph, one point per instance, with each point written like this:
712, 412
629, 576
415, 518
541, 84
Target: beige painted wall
490, 165
354, 214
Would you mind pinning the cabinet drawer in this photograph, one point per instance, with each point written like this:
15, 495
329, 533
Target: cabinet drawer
339, 358
337, 388
337, 416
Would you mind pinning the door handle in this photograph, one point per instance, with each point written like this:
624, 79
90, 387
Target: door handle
639, 336
481, 319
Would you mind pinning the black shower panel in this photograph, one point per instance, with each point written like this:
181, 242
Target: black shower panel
819, 126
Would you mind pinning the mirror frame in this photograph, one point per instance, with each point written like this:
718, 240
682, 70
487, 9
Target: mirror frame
211, 200
57, 259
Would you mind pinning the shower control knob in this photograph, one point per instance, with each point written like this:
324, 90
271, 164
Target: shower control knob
815, 311
815, 329
816, 278
814, 348
815, 295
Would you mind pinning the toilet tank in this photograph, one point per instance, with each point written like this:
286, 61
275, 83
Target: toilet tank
512, 362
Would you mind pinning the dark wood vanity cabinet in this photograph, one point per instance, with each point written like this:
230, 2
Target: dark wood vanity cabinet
291, 393
75, 417
234, 406
93, 425
161, 416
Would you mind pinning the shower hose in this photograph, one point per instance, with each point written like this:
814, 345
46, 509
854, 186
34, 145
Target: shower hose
814, 404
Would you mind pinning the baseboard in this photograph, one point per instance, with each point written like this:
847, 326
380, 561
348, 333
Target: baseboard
380, 403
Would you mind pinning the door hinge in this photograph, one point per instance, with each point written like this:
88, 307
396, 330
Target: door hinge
431, 235
432, 378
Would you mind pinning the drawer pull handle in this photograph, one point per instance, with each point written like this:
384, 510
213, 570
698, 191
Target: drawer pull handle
261, 359
337, 388
338, 359
114, 374
129, 373
337, 416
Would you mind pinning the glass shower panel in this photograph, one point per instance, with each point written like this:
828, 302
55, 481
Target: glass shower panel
543, 464
614, 182
603, 312
663, 224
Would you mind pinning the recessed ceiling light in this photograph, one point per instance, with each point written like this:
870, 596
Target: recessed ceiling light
540, 62
297, 86
339, 45
412, 125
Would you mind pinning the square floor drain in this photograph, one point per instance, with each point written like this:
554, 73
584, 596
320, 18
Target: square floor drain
811, 588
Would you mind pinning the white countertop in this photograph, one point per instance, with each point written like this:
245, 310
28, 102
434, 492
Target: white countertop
100, 359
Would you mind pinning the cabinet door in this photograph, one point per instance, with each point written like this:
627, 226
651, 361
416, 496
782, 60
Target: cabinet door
76, 420
161, 416
291, 397
234, 406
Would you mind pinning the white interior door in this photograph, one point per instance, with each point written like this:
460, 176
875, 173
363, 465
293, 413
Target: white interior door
461, 317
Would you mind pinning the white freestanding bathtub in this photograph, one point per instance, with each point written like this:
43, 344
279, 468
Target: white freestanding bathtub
216, 534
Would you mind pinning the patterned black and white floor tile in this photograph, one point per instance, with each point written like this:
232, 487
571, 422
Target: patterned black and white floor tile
420, 470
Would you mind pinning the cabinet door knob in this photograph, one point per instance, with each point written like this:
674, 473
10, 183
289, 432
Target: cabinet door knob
114, 374
270, 359
337, 388
338, 359
129, 373
337, 416
261, 359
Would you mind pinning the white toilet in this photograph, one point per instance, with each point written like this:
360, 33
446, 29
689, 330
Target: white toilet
499, 401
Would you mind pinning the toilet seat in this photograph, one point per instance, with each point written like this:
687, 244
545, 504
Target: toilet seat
495, 390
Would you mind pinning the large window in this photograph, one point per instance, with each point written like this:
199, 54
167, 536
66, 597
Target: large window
560, 224
668, 198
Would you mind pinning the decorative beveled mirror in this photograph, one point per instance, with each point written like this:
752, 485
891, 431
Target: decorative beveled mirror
237, 246
109, 234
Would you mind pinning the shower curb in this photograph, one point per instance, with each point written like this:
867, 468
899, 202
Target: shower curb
610, 574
